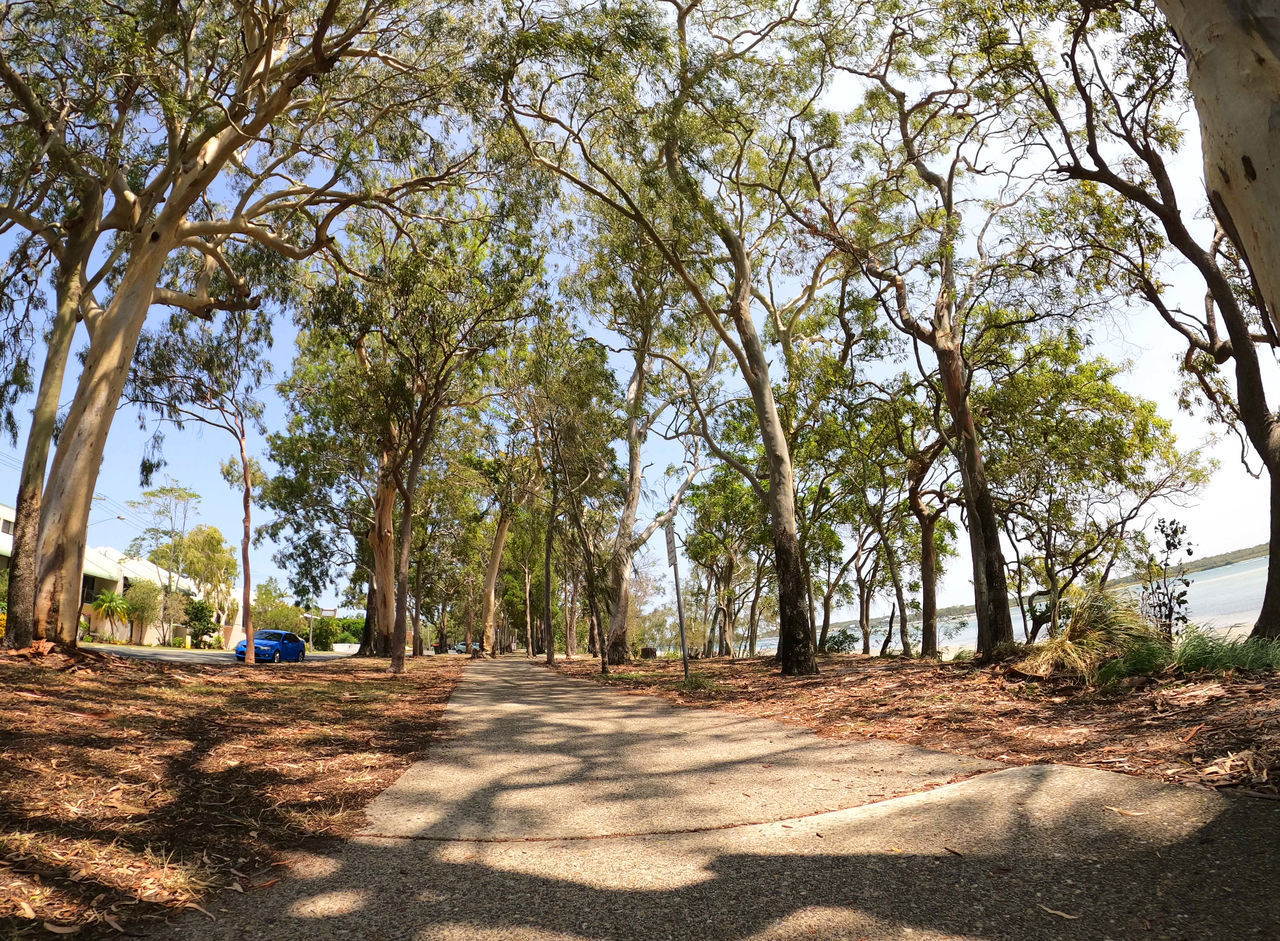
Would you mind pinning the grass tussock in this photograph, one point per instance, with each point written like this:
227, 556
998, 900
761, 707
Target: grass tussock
1107, 639
1103, 628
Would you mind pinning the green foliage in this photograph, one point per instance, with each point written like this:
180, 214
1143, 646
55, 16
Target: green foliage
697, 683
144, 599
200, 627
1198, 651
350, 630
844, 641
324, 633
272, 612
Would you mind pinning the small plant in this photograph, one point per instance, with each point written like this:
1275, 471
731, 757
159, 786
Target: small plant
1164, 580
112, 606
962, 655
697, 683
1198, 651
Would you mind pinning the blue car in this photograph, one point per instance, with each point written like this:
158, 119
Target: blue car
274, 646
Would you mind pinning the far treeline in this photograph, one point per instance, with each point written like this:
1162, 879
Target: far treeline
823, 281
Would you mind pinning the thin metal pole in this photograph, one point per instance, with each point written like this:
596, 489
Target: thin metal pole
684, 644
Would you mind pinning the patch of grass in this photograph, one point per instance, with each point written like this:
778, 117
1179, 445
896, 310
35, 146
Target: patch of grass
697, 683
1198, 651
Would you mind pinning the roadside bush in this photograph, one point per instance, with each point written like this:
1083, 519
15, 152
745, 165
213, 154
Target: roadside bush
350, 630
200, 626
324, 633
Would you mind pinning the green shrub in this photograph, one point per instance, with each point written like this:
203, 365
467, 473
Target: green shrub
698, 683
843, 641
200, 626
324, 633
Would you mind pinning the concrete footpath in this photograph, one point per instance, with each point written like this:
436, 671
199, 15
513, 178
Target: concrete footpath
556, 809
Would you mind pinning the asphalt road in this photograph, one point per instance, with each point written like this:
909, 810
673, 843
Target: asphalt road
216, 658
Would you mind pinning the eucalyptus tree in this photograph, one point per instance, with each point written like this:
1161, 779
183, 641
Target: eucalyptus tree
654, 112
945, 240
323, 495
183, 132
169, 511
626, 286
726, 518
579, 416
1076, 462
1110, 113
1232, 56
419, 324
210, 372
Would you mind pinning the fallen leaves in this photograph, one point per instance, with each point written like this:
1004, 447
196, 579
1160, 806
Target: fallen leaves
134, 789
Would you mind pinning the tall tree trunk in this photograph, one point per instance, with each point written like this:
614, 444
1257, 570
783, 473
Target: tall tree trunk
26, 524
928, 583
571, 618
826, 618
888, 634
246, 605
528, 612
21, 624
418, 650
864, 615
548, 627
400, 633
491, 577
368, 642
382, 543
622, 558
1233, 69
891, 557
990, 586
68, 494
753, 617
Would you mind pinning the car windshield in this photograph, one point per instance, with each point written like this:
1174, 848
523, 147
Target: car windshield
266, 635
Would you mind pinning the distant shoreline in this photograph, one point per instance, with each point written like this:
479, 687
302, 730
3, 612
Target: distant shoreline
1259, 551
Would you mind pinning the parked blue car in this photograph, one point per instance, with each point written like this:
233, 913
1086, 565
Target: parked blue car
274, 646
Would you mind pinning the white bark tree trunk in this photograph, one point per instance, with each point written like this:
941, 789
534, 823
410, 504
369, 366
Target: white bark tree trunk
1233, 68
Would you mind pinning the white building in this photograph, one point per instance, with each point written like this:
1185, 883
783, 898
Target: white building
109, 569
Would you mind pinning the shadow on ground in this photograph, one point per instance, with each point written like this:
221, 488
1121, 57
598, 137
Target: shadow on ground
497, 836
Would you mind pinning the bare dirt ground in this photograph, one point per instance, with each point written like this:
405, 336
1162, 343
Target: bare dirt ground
130, 788
1203, 730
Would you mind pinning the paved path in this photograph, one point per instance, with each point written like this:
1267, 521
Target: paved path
559, 810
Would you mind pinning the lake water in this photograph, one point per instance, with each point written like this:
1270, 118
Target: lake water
1225, 598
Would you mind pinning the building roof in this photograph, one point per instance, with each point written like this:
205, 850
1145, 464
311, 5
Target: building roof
108, 563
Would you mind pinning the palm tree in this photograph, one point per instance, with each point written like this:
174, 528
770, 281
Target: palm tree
113, 607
